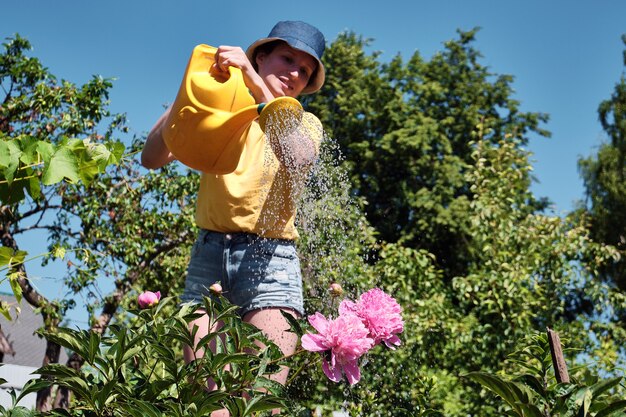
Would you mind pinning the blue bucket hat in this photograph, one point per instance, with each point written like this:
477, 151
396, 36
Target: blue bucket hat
302, 36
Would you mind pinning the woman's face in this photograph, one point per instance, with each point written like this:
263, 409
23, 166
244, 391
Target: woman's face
286, 70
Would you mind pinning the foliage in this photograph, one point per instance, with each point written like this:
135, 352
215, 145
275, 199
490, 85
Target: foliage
503, 269
405, 129
52, 133
14, 410
137, 227
526, 272
136, 369
604, 175
336, 238
48, 136
40, 122
536, 393
432, 205
522, 279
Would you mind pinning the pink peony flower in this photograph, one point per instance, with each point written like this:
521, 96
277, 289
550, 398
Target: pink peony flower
343, 341
335, 289
216, 288
380, 313
148, 299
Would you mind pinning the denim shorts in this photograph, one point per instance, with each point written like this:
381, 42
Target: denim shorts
254, 272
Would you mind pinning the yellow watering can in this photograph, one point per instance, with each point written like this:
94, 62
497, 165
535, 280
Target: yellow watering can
206, 125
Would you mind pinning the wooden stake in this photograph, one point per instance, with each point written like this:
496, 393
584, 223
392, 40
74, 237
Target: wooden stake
558, 361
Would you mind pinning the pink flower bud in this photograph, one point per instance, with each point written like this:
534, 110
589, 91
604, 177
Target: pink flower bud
148, 299
335, 289
216, 288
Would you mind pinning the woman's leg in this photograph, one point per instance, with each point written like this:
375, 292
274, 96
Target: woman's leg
205, 269
270, 321
191, 353
276, 328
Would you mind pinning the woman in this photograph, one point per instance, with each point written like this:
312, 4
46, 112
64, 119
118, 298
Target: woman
246, 218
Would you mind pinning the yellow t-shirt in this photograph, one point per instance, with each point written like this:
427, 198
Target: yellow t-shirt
260, 196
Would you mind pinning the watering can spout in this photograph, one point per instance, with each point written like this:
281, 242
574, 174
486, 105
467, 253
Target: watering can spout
207, 121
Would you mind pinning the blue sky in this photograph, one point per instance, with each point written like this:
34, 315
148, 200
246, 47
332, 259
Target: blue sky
566, 56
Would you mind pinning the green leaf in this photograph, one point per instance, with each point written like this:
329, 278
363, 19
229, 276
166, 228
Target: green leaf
12, 193
141, 408
5, 155
11, 257
294, 324
612, 408
604, 385
34, 386
94, 346
587, 399
222, 359
5, 310
578, 402
206, 340
33, 186
263, 403
530, 410
57, 370
236, 406
506, 390
29, 146
20, 411
164, 352
117, 152
261, 382
163, 302
58, 252
131, 351
75, 340
533, 383
88, 170
62, 165
100, 154
104, 396
229, 312
78, 385
15, 286
10, 153
45, 150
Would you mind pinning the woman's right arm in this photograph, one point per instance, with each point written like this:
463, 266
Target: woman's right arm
234, 56
155, 153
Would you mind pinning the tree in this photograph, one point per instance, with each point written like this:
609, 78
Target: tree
529, 269
519, 269
604, 179
138, 228
405, 130
52, 133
